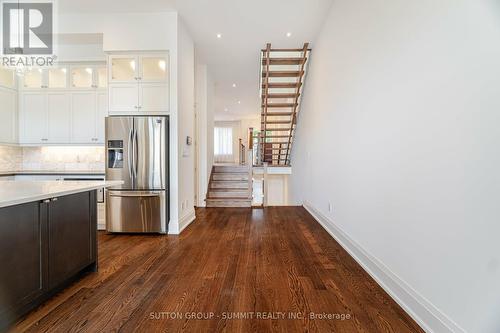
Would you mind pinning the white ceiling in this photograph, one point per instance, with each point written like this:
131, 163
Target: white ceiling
246, 26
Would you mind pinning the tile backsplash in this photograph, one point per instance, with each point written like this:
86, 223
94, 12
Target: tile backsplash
11, 158
51, 158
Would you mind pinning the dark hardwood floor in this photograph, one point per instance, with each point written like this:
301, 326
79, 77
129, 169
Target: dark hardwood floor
231, 261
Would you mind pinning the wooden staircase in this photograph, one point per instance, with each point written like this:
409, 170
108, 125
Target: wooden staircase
230, 186
282, 76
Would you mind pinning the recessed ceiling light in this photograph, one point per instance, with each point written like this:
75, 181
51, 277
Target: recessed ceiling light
225, 109
219, 36
289, 34
239, 102
234, 85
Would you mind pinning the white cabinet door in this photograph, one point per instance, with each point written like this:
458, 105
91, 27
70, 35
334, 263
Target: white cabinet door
123, 68
83, 106
35, 118
123, 98
153, 97
101, 113
8, 115
59, 117
153, 68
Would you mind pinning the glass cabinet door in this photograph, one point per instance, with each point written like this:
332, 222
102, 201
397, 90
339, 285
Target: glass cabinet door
102, 77
33, 78
153, 68
82, 77
58, 77
7, 77
123, 69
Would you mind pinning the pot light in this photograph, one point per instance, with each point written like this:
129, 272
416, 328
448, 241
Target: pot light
289, 34
234, 85
239, 102
219, 36
226, 109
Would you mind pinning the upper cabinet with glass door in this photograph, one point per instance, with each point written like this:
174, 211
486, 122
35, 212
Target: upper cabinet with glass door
88, 77
43, 78
7, 78
142, 68
123, 69
153, 68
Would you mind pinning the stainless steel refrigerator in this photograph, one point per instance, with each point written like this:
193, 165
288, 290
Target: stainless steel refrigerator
137, 154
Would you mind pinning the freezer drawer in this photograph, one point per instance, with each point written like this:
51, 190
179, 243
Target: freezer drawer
136, 211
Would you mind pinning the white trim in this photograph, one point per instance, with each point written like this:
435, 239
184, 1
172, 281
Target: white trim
186, 220
430, 318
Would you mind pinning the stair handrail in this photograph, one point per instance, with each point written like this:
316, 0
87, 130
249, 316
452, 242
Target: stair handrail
305, 50
266, 96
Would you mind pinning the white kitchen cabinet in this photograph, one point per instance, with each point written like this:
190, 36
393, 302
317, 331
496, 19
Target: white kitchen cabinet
86, 76
7, 78
46, 78
138, 83
8, 115
34, 78
153, 97
57, 77
83, 106
123, 97
123, 68
89, 110
59, 117
101, 112
35, 118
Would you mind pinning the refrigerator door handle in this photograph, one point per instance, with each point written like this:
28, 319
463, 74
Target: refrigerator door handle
130, 157
136, 154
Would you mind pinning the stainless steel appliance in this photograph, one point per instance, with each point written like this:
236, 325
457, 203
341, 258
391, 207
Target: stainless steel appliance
137, 154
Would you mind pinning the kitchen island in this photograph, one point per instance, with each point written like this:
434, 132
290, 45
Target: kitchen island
47, 240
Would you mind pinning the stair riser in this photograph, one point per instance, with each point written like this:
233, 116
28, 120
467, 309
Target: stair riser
232, 185
230, 169
229, 203
229, 194
229, 176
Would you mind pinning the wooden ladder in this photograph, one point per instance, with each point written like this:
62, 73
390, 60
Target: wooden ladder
282, 76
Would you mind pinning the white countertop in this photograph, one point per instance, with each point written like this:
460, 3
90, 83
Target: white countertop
17, 192
53, 172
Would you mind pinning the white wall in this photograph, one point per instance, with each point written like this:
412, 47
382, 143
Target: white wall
399, 132
186, 121
205, 129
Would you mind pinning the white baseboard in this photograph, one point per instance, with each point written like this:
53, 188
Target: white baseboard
431, 319
186, 220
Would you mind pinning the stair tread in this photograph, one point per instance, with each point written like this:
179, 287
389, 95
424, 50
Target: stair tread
284, 61
282, 73
276, 95
282, 85
280, 105
277, 114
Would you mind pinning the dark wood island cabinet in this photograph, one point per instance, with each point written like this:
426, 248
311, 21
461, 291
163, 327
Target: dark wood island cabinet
44, 246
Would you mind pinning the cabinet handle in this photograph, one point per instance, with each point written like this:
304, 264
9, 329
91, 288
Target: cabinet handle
139, 107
